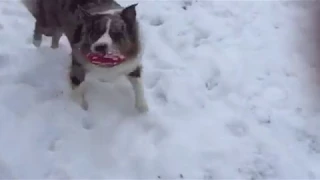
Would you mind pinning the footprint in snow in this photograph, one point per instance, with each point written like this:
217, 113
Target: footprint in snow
208, 174
222, 13
200, 38
5, 172
157, 21
87, 123
160, 96
152, 79
263, 116
311, 175
53, 145
153, 21
258, 169
181, 176
57, 173
314, 146
4, 60
237, 128
186, 4
213, 81
310, 140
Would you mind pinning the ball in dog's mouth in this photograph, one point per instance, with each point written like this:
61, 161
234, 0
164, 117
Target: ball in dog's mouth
107, 60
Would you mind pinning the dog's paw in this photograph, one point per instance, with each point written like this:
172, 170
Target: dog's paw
36, 42
37, 39
142, 106
54, 46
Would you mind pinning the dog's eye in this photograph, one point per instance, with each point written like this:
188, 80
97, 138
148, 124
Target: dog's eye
116, 35
96, 31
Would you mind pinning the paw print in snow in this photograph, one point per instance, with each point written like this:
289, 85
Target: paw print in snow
200, 38
5, 172
57, 173
213, 81
156, 21
311, 141
263, 116
237, 128
311, 175
314, 146
258, 169
181, 176
186, 4
208, 174
53, 145
4, 59
87, 123
161, 97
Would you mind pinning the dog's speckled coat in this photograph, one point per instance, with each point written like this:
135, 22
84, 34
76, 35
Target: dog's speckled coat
92, 26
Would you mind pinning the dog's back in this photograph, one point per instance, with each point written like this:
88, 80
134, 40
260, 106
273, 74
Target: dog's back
44, 11
54, 13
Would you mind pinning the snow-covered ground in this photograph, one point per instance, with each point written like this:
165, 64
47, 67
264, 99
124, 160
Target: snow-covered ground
231, 87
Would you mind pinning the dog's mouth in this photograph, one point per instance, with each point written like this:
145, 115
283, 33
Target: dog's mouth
105, 60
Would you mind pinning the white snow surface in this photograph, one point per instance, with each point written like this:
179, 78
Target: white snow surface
229, 92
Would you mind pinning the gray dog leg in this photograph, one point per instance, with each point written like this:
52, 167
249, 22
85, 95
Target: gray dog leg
77, 78
37, 35
135, 80
56, 38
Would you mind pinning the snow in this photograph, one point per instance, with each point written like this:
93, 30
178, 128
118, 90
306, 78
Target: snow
231, 87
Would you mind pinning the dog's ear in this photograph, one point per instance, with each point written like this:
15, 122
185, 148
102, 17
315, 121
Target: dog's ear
83, 14
129, 14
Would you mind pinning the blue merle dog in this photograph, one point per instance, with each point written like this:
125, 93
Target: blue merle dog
101, 26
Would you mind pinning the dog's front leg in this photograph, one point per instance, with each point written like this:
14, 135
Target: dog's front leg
135, 80
78, 84
37, 35
57, 34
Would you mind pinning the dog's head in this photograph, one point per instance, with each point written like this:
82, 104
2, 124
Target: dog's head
113, 32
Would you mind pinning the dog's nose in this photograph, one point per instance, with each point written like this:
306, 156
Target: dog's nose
101, 48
